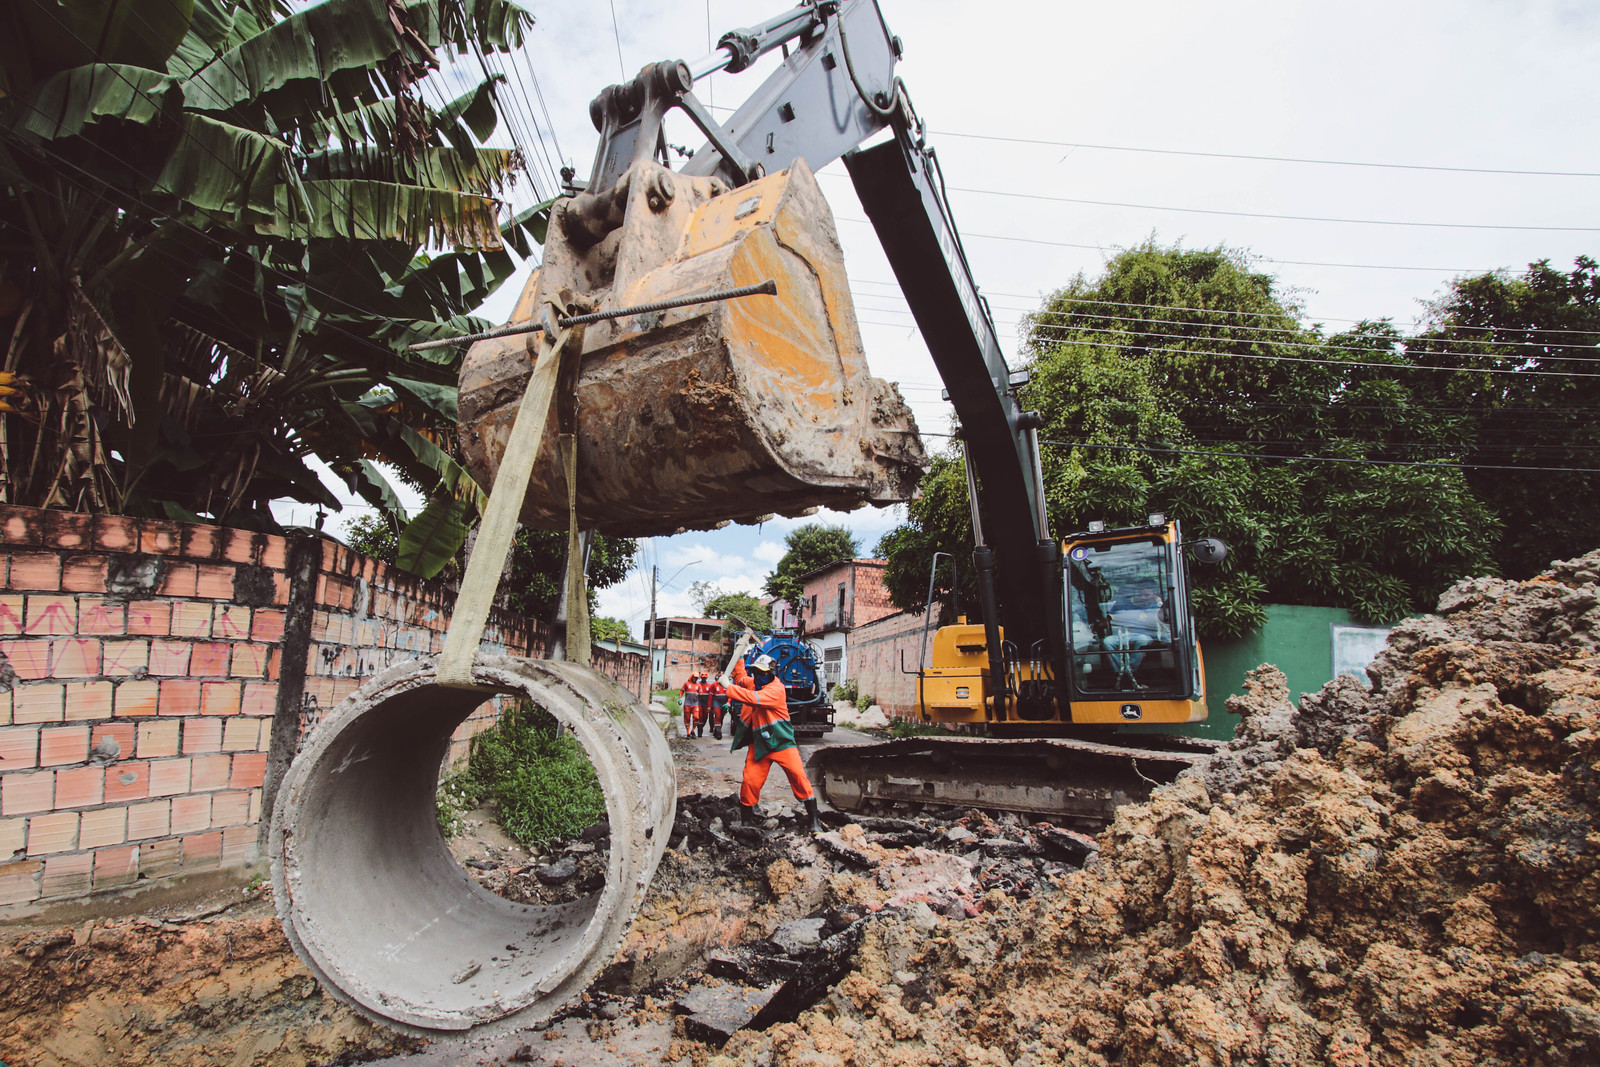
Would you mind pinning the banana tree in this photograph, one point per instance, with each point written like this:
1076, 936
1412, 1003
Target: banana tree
221, 224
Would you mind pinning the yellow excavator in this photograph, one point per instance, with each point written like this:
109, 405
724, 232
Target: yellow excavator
750, 403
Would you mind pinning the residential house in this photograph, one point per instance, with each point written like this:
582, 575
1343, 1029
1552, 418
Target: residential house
836, 599
684, 647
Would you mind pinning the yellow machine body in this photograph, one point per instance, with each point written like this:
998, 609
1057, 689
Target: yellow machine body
694, 416
1116, 674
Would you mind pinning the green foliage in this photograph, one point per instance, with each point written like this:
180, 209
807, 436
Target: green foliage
605, 628
1536, 321
218, 224
742, 611
865, 701
542, 784
1158, 356
810, 546
844, 692
901, 728
538, 569
373, 535
432, 539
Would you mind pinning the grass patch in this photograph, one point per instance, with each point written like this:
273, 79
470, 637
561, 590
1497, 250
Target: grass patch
542, 784
899, 728
669, 698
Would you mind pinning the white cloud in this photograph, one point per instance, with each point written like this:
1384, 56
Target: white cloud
768, 552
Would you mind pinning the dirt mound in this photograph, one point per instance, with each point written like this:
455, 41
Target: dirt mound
1406, 874
143, 991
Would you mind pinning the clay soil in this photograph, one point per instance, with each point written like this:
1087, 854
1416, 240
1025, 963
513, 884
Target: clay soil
1401, 875
1406, 873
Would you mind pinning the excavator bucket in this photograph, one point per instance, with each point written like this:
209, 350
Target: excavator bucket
690, 417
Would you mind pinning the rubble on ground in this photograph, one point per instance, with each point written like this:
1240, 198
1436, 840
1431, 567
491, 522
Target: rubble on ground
174, 992
1395, 875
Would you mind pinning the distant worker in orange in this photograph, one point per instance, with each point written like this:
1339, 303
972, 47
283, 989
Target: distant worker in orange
718, 696
763, 724
702, 714
689, 697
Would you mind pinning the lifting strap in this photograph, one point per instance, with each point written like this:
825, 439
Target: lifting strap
553, 348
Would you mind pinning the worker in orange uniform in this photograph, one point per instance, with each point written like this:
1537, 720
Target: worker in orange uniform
717, 696
763, 724
702, 714
689, 697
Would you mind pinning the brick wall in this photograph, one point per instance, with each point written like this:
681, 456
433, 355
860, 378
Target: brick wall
865, 597
875, 652
156, 679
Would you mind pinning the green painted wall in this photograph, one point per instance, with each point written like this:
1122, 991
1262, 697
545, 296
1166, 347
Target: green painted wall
1298, 640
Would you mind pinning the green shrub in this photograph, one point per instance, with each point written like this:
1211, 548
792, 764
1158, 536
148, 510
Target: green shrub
913, 728
865, 701
538, 778
845, 692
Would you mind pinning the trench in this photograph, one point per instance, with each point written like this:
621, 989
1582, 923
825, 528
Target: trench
369, 894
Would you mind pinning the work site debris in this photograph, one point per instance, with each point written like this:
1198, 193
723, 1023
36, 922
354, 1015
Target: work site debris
145, 991
1403, 874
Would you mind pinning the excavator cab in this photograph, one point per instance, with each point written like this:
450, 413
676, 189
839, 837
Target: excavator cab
1131, 652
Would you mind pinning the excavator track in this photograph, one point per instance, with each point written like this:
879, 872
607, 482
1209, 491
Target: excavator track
1067, 781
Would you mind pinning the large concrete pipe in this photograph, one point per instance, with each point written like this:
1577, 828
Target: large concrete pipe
369, 894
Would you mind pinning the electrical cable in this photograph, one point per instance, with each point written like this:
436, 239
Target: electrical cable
1263, 259
1306, 359
616, 33
1275, 159
1066, 333
1312, 459
1278, 218
1215, 311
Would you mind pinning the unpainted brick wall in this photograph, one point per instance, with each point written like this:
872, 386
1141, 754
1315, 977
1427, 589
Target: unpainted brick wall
141, 668
876, 651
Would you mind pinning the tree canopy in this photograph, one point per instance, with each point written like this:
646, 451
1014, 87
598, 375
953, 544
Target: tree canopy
810, 546
221, 224
1182, 382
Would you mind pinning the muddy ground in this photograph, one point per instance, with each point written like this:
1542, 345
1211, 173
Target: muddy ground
1395, 875
733, 913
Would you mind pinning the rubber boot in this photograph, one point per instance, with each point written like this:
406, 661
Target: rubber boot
747, 816
811, 810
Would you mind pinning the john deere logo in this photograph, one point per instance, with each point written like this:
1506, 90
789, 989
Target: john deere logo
1131, 711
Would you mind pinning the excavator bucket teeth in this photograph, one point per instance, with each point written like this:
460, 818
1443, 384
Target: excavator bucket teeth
690, 417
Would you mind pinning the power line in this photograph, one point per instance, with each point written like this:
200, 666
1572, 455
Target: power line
1209, 311
1275, 159
1066, 334
1312, 459
1280, 218
1308, 359
1263, 259
617, 34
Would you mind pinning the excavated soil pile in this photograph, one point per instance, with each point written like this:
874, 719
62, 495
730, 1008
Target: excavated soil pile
143, 991
1401, 875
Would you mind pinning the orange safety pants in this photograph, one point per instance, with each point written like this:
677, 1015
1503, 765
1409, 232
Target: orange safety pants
755, 774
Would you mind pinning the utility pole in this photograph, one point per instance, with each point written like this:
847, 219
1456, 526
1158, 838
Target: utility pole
650, 641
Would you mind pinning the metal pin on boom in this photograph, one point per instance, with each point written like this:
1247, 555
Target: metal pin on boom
766, 288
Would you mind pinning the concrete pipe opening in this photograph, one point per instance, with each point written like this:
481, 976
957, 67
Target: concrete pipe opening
369, 894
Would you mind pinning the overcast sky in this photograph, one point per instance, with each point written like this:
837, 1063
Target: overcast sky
1505, 85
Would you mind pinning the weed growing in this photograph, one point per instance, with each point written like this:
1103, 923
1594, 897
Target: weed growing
537, 777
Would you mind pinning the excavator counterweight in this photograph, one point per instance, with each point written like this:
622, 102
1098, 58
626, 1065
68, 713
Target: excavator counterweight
729, 410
